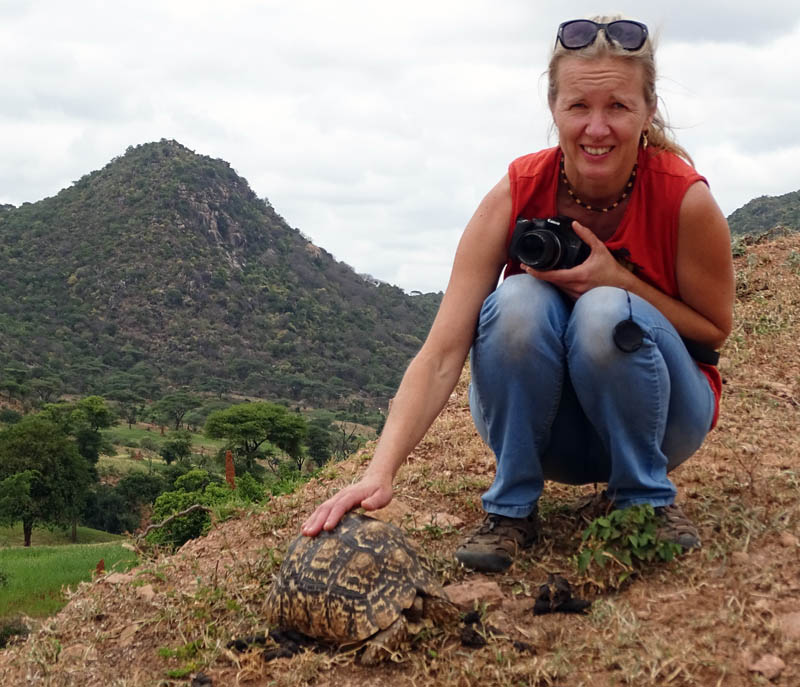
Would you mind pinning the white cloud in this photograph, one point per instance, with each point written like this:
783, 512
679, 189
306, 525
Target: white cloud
374, 128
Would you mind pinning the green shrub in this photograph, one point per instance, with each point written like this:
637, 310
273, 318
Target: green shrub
249, 488
194, 480
216, 492
171, 473
139, 488
194, 487
149, 444
616, 546
9, 416
180, 530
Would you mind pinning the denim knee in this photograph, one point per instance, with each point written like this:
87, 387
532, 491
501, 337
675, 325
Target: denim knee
591, 329
518, 313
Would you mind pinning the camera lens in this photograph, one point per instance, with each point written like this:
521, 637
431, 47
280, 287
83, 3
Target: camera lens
539, 249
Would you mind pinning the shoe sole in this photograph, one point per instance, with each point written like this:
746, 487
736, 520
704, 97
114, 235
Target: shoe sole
482, 562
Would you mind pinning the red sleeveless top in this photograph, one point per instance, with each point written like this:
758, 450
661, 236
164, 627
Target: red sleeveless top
647, 237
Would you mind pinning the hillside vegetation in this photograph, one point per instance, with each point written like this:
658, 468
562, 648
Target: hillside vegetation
728, 614
765, 213
164, 270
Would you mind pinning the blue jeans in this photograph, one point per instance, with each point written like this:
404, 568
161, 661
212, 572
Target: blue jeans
555, 398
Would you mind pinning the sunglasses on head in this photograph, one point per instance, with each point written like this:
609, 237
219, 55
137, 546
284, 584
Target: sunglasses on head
578, 33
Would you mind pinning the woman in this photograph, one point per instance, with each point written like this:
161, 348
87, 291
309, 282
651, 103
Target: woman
578, 374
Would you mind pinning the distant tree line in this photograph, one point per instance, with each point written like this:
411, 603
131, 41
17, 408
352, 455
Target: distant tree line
49, 474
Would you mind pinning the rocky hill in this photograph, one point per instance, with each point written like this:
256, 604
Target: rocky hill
728, 614
163, 269
765, 213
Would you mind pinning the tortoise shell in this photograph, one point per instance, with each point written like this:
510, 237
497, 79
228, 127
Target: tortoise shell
349, 583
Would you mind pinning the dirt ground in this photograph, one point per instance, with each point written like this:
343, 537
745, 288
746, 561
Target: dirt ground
727, 615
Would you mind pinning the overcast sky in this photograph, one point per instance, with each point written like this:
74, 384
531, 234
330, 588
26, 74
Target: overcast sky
374, 127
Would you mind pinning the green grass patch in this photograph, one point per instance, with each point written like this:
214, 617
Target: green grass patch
122, 464
123, 436
42, 536
32, 579
147, 444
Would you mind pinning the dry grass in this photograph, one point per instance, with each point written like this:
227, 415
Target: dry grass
698, 621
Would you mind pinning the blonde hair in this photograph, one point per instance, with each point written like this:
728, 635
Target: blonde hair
659, 133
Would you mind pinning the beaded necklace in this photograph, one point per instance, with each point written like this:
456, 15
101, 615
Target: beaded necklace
625, 193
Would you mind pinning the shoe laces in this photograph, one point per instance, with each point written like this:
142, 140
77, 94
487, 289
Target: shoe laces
490, 523
494, 521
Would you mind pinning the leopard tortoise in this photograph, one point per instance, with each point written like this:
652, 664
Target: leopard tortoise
360, 581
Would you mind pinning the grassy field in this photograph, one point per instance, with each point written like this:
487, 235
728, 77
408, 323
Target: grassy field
130, 455
43, 536
122, 464
123, 436
32, 579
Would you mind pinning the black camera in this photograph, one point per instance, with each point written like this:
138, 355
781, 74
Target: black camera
547, 244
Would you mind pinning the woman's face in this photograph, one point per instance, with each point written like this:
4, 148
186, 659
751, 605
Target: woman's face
600, 112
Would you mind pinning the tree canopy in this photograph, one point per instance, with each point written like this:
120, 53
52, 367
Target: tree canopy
177, 447
249, 426
83, 420
172, 407
43, 477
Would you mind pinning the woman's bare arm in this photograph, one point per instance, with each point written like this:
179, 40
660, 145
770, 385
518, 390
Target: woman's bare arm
433, 373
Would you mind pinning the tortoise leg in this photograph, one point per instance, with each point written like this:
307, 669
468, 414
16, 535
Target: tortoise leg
385, 643
440, 610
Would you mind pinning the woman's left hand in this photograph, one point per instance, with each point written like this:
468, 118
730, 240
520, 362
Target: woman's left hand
599, 269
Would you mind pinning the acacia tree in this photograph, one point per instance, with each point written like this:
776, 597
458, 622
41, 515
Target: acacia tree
43, 478
249, 426
173, 407
46, 389
177, 447
320, 440
130, 406
13, 380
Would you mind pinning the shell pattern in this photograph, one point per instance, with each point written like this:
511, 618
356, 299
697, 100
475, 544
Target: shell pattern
348, 584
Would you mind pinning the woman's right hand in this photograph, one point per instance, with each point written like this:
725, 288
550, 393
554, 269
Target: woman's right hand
369, 492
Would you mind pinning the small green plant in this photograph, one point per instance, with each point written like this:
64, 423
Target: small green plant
185, 654
433, 531
181, 673
182, 653
739, 247
615, 546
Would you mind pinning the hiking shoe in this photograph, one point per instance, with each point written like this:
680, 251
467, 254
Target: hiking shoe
676, 527
492, 547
